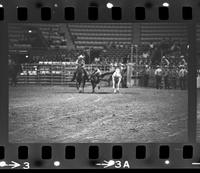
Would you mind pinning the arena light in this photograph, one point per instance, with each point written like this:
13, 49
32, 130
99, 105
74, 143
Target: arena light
165, 4
55, 5
1, 5
26, 56
109, 5
29, 31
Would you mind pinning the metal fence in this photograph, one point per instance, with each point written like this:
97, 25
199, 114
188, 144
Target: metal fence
61, 73
58, 73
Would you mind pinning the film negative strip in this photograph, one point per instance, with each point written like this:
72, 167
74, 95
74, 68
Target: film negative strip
99, 84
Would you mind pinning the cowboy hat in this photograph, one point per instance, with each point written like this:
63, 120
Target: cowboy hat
80, 56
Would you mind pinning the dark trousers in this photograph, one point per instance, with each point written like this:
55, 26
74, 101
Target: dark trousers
174, 85
124, 82
158, 82
166, 80
146, 80
182, 83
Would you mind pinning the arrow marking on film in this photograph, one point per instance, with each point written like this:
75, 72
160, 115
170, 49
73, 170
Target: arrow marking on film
14, 165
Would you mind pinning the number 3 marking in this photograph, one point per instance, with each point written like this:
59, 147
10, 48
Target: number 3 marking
118, 164
27, 165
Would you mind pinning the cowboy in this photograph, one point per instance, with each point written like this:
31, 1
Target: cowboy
117, 75
182, 77
124, 75
80, 62
166, 77
97, 73
158, 76
146, 75
174, 77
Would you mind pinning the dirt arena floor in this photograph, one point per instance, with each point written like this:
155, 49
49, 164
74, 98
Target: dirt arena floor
58, 114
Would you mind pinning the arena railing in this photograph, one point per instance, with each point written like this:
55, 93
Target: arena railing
53, 73
60, 73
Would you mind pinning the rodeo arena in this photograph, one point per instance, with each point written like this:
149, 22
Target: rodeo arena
98, 82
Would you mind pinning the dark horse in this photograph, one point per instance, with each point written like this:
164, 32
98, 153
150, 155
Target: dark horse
95, 79
81, 77
13, 70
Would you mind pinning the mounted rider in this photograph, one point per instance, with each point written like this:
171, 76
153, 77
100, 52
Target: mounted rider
80, 63
97, 73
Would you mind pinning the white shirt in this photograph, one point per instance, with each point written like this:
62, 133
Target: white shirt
182, 72
158, 72
117, 72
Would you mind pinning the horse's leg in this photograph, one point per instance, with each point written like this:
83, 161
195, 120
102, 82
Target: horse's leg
93, 87
83, 85
79, 87
74, 76
98, 86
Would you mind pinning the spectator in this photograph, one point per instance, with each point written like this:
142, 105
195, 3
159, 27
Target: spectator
183, 77
174, 77
158, 76
146, 76
166, 77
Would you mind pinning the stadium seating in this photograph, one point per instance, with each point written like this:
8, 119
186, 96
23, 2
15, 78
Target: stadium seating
155, 32
24, 37
40, 36
64, 42
99, 35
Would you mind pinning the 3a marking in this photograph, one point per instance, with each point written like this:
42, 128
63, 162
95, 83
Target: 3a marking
117, 164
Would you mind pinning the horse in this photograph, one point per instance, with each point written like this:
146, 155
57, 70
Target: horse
81, 77
95, 79
13, 70
116, 79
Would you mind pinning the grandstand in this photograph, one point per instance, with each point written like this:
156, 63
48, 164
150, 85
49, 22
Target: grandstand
98, 35
156, 32
112, 40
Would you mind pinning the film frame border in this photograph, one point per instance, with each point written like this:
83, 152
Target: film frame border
151, 10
